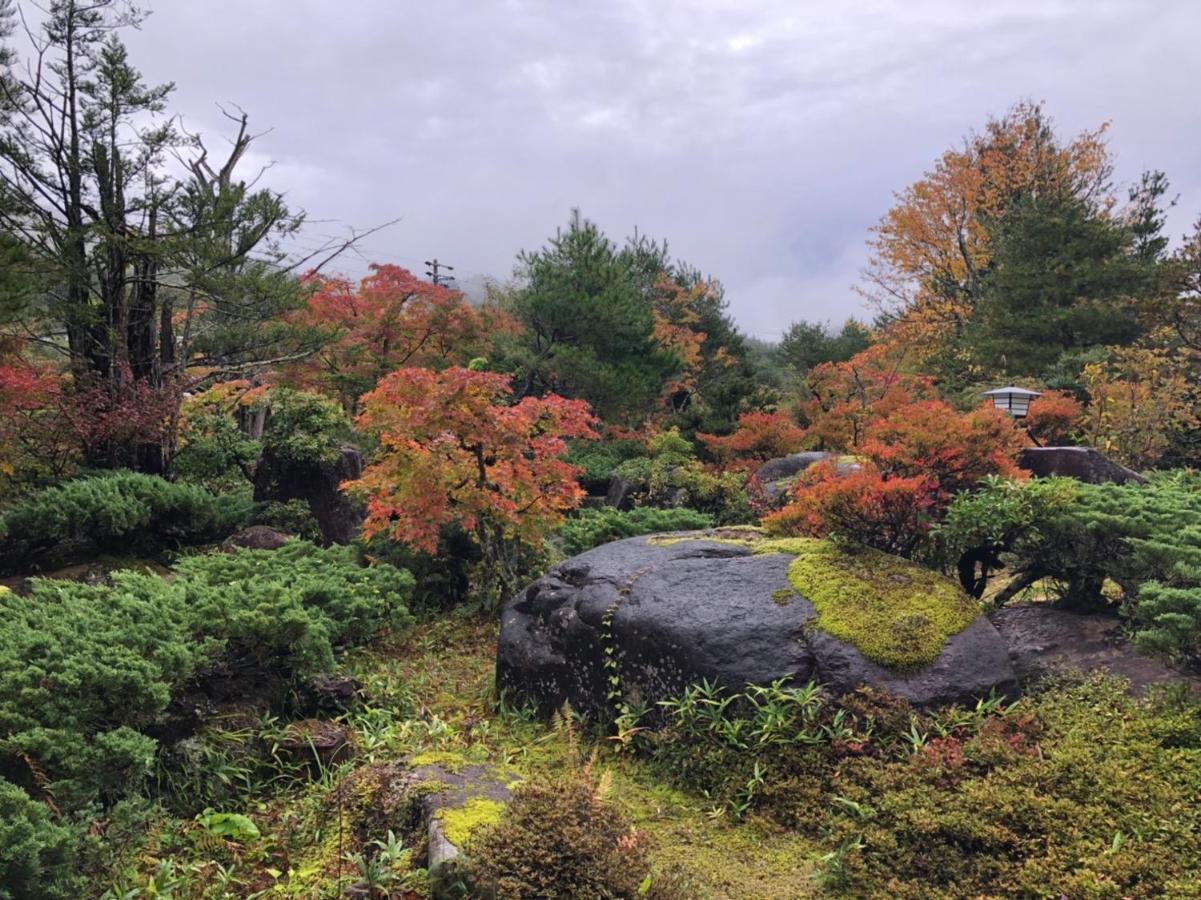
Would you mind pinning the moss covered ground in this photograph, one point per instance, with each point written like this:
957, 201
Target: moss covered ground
430, 701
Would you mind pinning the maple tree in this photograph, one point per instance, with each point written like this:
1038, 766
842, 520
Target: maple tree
454, 451
841, 399
389, 320
1053, 417
910, 465
760, 436
864, 506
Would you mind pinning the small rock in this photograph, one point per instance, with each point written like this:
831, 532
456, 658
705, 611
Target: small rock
257, 537
317, 743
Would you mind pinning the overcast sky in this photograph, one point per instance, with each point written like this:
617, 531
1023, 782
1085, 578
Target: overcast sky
761, 138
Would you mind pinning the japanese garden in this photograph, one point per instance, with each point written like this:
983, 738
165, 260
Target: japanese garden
323, 582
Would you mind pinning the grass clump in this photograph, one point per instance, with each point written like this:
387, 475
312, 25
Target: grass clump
897, 613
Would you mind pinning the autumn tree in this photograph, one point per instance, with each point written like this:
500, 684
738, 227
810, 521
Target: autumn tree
839, 400
140, 272
760, 436
389, 320
455, 450
1053, 418
911, 463
934, 252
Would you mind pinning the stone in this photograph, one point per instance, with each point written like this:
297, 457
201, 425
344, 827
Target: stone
1045, 640
318, 485
317, 744
621, 493
1082, 463
331, 693
696, 606
257, 537
771, 481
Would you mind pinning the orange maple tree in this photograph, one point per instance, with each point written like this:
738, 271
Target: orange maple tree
760, 436
455, 451
390, 320
929, 252
1053, 417
842, 399
911, 464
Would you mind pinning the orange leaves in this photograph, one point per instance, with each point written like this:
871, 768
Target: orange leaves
454, 452
911, 463
760, 436
1053, 417
391, 319
842, 398
929, 251
890, 514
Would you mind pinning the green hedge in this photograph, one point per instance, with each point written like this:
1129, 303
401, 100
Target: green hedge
591, 527
119, 511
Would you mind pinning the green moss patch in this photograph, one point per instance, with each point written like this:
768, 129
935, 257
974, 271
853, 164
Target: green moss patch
458, 823
896, 612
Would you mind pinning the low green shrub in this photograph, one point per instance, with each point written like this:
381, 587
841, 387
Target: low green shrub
119, 511
671, 477
35, 852
591, 527
87, 671
293, 516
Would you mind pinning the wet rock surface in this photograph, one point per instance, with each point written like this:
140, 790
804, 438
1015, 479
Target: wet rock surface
1082, 463
660, 614
1046, 641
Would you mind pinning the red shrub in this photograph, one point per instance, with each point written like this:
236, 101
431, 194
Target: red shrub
760, 436
890, 514
1054, 418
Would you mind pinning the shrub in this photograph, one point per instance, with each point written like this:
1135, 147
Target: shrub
760, 436
305, 429
1000, 518
563, 838
599, 459
1144, 538
35, 853
119, 511
914, 461
591, 527
893, 515
294, 516
671, 477
1053, 418
87, 671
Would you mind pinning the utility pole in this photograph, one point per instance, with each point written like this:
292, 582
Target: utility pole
432, 272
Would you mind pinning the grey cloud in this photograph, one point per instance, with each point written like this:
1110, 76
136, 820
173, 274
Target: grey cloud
762, 139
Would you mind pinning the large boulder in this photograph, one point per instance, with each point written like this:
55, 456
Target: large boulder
669, 611
1082, 463
317, 484
773, 479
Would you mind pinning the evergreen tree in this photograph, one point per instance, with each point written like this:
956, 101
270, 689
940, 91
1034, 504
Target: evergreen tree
589, 325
